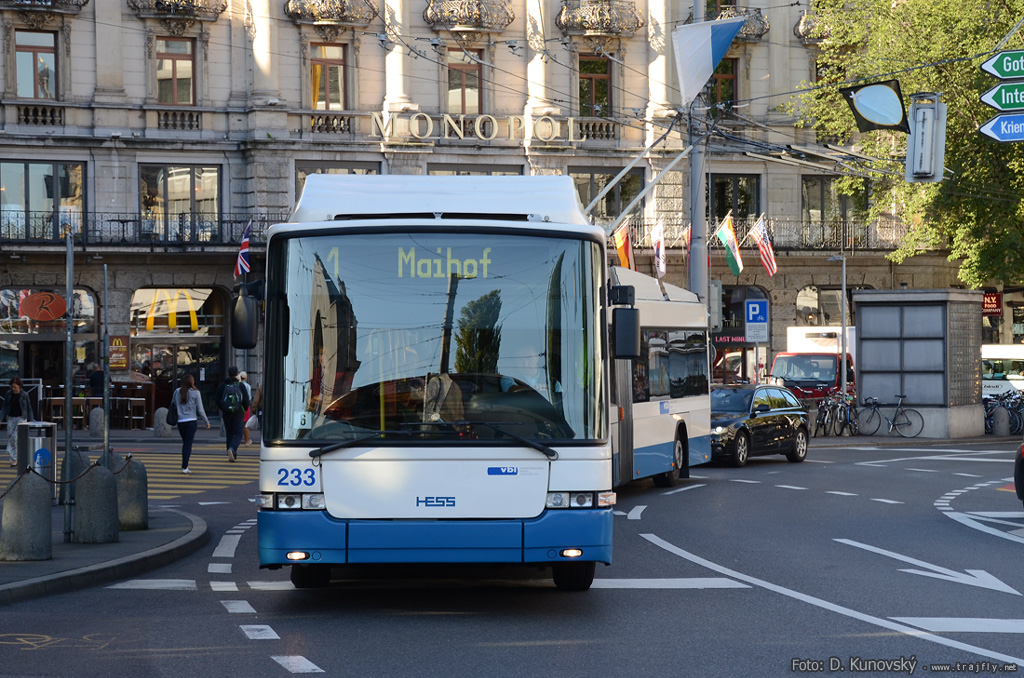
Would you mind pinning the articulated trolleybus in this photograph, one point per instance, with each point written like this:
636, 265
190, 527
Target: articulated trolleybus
437, 378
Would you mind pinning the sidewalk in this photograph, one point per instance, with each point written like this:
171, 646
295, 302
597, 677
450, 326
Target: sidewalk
894, 440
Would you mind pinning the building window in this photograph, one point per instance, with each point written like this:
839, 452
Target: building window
162, 311
736, 193
590, 182
179, 203
820, 306
822, 201
459, 170
465, 95
304, 169
328, 77
175, 65
37, 199
723, 83
595, 86
36, 58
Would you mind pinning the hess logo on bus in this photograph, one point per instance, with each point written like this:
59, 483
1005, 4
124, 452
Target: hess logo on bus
435, 502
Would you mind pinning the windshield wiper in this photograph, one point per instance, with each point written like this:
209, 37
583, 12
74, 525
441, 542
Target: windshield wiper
333, 447
549, 452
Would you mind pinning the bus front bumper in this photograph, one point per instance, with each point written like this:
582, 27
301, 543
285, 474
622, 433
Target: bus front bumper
329, 541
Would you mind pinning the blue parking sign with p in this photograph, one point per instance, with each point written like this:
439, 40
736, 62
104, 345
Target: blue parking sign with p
757, 311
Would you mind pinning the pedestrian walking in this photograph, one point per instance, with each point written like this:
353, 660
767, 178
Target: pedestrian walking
232, 401
189, 406
244, 378
17, 408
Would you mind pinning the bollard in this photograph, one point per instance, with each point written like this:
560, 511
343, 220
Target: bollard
96, 418
26, 532
95, 517
161, 429
132, 492
1001, 422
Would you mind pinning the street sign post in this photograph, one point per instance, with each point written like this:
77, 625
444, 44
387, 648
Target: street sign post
1006, 96
755, 323
1006, 65
1006, 127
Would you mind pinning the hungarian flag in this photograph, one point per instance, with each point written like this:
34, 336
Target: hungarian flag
658, 238
727, 236
764, 245
242, 262
623, 247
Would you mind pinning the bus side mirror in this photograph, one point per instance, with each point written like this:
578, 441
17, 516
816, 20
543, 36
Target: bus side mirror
626, 327
245, 324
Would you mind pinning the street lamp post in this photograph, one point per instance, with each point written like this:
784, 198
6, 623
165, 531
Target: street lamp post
842, 316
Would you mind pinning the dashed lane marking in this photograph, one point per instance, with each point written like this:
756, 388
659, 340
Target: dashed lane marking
259, 632
685, 583
683, 489
238, 607
226, 547
157, 585
634, 513
296, 664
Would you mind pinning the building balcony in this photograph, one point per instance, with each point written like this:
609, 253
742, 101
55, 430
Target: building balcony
756, 25
793, 235
469, 16
178, 10
809, 29
599, 18
44, 7
127, 230
326, 14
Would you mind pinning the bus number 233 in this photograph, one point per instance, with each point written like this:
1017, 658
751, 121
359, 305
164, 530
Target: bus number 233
296, 476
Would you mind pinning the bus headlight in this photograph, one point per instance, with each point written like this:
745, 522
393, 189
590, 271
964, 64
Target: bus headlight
289, 501
264, 501
313, 502
574, 500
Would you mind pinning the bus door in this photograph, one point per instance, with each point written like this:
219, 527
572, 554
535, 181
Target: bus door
622, 439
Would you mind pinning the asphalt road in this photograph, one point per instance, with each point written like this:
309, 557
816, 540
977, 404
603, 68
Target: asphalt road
906, 555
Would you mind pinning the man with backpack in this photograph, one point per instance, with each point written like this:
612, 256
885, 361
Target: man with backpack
232, 401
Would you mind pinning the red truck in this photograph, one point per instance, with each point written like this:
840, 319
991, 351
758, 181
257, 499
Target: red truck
811, 375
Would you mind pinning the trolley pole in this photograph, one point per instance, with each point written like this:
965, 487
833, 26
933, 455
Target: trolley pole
69, 366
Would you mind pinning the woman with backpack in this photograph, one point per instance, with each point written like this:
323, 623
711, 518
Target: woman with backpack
232, 401
189, 406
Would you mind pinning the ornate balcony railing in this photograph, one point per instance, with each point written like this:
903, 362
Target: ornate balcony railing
44, 6
792, 235
134, 229
756, 25
332, 13
186, 10
599, 18
807, 28
469, 16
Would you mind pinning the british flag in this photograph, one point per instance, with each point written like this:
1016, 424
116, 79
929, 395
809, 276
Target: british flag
764, 245
242, 263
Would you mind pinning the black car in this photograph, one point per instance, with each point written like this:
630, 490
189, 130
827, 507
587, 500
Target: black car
1018, 473
753, 420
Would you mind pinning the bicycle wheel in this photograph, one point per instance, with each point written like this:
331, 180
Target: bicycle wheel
842, 415
819, 422
870, 421
908, 423
854, 421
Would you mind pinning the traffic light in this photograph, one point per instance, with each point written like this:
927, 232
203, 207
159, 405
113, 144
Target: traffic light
926, 143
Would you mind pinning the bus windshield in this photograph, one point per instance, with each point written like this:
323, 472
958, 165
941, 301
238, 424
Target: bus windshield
450, 336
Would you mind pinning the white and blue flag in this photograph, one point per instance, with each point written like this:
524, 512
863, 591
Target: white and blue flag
699, 48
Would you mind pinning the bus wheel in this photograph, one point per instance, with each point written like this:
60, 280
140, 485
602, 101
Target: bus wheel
670, 478
311, 576
573, 576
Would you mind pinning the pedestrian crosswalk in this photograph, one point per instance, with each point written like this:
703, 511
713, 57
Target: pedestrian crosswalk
166, 481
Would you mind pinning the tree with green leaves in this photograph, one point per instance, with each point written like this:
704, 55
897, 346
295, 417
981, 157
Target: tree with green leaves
976, 211
479, 337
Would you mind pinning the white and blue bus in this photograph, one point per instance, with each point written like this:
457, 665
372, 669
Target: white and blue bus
437, 378
663, 402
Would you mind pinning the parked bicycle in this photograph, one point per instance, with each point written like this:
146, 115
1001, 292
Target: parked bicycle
828, 413
847, 416
905, 422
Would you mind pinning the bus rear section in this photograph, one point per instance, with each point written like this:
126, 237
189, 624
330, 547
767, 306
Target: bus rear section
440, 383
661, 424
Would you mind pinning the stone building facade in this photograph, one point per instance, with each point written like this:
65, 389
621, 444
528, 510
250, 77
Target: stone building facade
155, 132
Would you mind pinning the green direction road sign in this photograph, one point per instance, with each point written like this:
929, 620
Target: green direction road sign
1006, 96
1006, 65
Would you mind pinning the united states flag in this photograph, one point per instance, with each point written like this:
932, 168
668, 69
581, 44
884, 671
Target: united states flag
242, 262
764, 245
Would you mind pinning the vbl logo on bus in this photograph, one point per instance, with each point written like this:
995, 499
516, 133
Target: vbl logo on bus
435, 502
